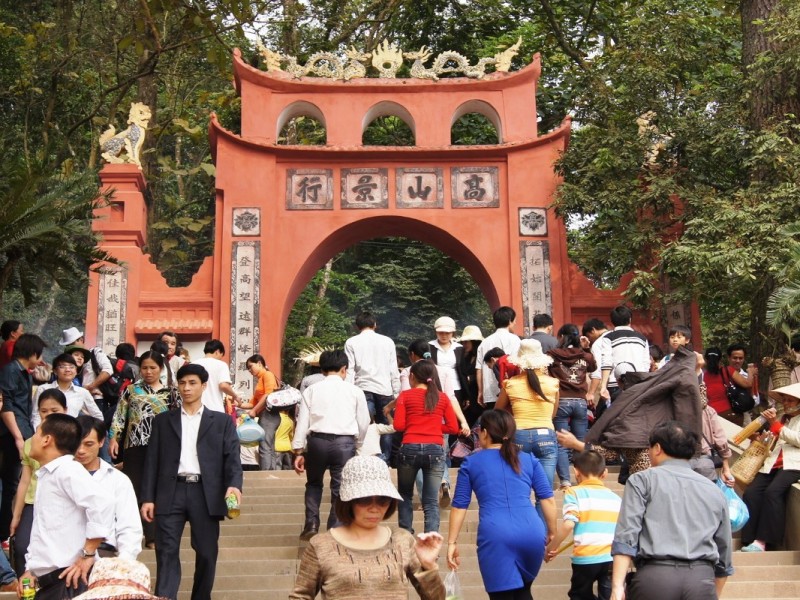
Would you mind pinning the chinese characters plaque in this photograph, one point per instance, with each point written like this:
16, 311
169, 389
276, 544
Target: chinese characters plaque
474, 187
245, 279
111, 309
536, 291
419, 187
365, 188
309, 189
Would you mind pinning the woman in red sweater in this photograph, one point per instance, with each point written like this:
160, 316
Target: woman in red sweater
423, 414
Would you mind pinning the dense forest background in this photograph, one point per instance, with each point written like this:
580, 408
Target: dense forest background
683, 166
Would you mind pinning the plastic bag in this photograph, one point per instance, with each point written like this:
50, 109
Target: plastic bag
452, 587
737, 509
250, 433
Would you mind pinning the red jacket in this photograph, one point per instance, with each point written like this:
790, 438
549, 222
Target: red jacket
418, 426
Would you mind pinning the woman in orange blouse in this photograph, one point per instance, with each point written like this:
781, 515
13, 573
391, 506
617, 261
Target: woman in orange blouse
269, 419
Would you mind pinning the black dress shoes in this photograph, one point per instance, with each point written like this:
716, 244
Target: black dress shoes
309, 531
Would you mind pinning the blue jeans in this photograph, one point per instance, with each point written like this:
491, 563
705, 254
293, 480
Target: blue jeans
571, 416
412, 458
540, 442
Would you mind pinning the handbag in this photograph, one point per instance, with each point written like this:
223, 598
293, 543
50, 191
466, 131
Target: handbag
715, 457
741, 400
462, 447
284, 396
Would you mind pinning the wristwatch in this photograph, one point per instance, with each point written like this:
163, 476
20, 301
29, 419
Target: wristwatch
86, 554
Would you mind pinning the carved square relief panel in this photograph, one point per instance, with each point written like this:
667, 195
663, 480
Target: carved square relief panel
420, 187
474, 187
246, 221
365, 188
533, 221
309, 189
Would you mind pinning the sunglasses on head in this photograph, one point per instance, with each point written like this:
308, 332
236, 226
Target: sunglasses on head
381, 501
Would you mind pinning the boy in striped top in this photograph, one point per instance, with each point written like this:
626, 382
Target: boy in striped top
590, 514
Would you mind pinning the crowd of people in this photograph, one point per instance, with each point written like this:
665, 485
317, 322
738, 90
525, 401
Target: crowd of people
101, 455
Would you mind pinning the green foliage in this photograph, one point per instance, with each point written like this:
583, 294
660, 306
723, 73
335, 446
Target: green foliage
473, 129
388, 131
303, 131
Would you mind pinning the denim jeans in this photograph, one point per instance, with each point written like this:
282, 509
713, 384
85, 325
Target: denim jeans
571, 416
540, 442
376, 403
412, 458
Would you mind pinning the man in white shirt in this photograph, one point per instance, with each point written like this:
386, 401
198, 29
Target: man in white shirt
73, 513
219, 376
126, 537
621, 346
372, 367
503, 338
78, 399
332, 420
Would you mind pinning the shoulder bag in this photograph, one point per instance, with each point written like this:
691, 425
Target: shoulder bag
741, 399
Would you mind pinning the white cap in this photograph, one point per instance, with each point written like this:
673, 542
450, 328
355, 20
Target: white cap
445, 324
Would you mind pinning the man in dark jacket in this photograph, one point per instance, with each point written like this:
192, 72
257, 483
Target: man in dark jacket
192, 466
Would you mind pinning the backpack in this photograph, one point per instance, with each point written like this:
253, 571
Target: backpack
111, 388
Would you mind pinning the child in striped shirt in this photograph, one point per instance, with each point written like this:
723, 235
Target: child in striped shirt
590, 514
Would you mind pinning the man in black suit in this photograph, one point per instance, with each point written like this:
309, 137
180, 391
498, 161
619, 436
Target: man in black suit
192, 465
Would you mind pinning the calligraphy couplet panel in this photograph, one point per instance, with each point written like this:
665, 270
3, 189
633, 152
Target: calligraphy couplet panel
536, 287
309, 189
365, 188
112, 300
419, 187
245, 286
474, 187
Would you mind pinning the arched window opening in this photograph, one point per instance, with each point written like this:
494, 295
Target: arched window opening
473, 129
388, 131
303, 131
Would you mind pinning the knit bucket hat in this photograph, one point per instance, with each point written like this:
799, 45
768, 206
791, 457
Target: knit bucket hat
364, 476
472, 333
530, 356
118, 578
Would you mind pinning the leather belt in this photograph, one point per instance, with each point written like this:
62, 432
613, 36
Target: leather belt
188, 478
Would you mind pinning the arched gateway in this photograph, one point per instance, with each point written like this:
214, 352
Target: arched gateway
282, 211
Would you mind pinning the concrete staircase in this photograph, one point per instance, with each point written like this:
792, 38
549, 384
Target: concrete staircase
260, 551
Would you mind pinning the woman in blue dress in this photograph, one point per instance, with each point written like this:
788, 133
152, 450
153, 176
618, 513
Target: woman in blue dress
511, 535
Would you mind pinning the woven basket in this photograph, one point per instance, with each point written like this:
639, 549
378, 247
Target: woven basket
781, 374
746, 467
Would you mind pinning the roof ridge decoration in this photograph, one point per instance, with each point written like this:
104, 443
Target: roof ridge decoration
387, 59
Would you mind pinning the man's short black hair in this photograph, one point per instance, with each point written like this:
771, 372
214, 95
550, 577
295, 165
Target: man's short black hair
675, 439
730, 350
65, 431
332, 361
687, 333
365, 319
8, 327
592, 325
621, 316
192, 369
89, 424
589, 462
504, 316
214, 346
542, 320
125, 351
64, 358
28, 345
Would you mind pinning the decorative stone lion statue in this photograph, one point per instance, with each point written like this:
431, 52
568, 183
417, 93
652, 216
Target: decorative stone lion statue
129, 140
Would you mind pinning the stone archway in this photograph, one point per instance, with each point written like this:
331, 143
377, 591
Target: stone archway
282, 211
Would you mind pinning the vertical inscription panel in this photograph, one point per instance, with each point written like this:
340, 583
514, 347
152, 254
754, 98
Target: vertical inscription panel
420, 187
474, 187
309, 189
365, 188
111, 304
245, 286
536, 286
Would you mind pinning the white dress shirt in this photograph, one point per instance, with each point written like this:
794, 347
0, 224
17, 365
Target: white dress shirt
218, 372
509, 343
78, 400
190, 428
70, 508
87, 372
446, 359
372, 363
332, 406
127, 527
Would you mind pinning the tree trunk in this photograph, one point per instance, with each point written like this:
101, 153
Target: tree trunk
312, 319
41, 322
289, 28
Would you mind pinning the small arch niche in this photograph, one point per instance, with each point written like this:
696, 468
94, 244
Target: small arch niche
388, 124
475, 123
301, 124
